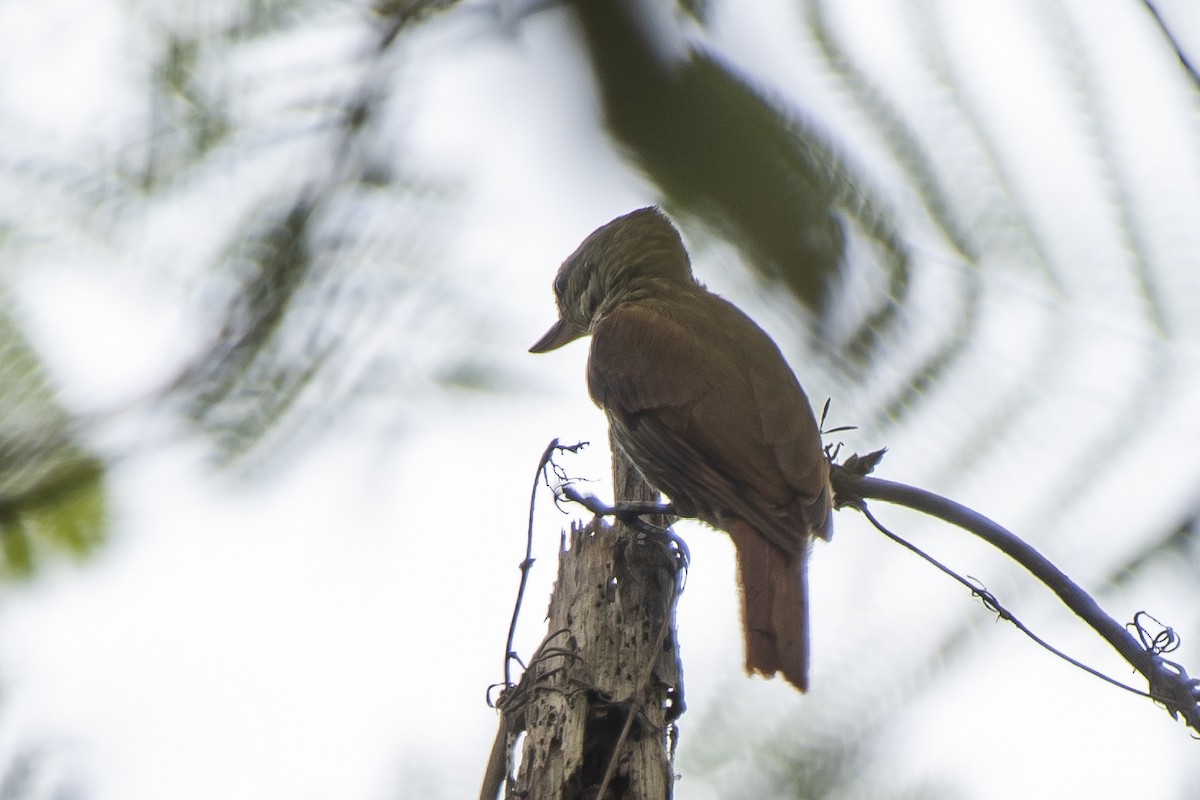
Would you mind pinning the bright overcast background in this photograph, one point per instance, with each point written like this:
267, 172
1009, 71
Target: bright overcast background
269, 427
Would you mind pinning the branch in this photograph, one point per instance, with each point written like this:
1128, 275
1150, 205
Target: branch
1184, 61
629, 513
546, 462
1169, 681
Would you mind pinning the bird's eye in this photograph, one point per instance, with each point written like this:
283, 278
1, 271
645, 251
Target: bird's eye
560, 284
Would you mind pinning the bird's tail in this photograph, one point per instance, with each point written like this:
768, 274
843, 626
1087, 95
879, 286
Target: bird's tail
774, 588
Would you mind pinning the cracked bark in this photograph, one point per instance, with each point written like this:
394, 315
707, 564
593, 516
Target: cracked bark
614, 594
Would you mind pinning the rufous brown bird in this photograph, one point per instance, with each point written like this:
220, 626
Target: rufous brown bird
703, 403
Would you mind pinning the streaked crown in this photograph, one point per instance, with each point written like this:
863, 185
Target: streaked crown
613, 264
615, 260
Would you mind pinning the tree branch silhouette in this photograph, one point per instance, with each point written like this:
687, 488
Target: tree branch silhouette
1169, 681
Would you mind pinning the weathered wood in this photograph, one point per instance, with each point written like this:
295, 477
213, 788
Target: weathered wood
611, 651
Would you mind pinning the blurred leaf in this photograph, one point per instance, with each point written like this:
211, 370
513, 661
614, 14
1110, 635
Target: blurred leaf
52, 498
721, 152
227, 389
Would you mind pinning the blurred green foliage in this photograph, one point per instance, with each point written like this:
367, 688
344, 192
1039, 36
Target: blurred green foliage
52, 493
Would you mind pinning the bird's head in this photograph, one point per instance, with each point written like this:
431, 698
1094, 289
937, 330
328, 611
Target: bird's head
615, 260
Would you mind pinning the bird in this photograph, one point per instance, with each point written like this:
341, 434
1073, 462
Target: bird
703, 403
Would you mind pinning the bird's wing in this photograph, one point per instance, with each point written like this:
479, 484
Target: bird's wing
708, 399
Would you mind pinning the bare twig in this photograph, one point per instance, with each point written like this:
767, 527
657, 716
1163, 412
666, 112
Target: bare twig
1169, 681
543, 463
497, 766
630, 514
992, 603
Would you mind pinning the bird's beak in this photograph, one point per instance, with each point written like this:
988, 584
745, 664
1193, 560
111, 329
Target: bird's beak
559, 334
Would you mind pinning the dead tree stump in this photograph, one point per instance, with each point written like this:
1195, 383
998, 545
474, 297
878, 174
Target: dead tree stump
600, 698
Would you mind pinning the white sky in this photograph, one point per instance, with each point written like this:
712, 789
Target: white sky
330, 632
